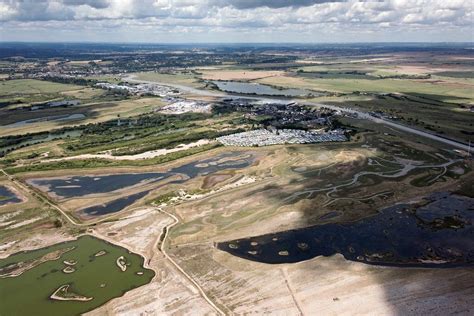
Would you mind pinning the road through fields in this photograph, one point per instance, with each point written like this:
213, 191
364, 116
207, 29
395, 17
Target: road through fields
360, 114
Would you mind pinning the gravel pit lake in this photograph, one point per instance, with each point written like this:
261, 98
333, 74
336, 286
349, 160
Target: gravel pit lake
80, 186
28, 279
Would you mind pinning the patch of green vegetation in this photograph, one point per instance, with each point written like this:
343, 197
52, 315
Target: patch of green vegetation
434, 112
32, 86
142, 133
165, 198
99, 163
428, 178
181, 78
456, 74
349, 74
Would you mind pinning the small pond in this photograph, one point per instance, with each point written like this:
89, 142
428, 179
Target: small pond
7, 196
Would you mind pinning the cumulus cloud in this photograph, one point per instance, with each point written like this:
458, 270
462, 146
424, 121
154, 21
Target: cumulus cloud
267, 16
251, 4
98, 4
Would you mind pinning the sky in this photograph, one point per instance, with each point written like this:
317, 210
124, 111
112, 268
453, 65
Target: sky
237, 21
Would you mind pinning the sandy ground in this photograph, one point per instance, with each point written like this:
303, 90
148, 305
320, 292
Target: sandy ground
239, 75
335, 286
414, 69
169, 292
24, 223
34, 241
330, 286
141, 156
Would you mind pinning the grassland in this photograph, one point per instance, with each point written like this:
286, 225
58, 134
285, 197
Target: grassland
181, 78
237, 74
30, 86
100, 110
449, 91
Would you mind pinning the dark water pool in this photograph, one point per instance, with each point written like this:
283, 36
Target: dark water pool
113, 206
7, 196
83, 185
78, 186
438, 234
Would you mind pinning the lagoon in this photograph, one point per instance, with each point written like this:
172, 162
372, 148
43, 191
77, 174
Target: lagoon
95, 275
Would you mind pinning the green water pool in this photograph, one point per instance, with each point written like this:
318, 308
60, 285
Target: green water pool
95, 276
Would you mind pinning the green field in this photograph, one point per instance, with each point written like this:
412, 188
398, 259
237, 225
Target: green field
97, 277
31, 86
449, 92
187, 79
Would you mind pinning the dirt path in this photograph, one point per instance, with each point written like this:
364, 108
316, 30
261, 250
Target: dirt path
186, 275
41, 198
285, 277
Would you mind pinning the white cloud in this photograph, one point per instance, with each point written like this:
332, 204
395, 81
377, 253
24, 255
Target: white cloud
281, 17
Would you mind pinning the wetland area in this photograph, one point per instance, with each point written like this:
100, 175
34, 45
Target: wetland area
81, 186
83, 274
437, 234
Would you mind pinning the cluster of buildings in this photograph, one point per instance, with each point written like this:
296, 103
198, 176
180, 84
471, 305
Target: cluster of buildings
263, 137
183, 106
281, 114
141, 89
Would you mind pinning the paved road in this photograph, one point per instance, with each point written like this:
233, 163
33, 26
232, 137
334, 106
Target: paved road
360, 114
393, 124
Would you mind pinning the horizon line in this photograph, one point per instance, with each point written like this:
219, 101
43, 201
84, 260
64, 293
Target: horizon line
233, 43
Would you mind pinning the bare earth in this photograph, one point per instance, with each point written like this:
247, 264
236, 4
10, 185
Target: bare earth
145, 155
169, 292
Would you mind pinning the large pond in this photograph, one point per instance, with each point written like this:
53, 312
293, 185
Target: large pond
78, 186
7, 196
438, 234
88, 265
258, 89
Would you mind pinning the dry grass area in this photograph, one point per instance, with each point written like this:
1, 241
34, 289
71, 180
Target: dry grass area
238, 74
